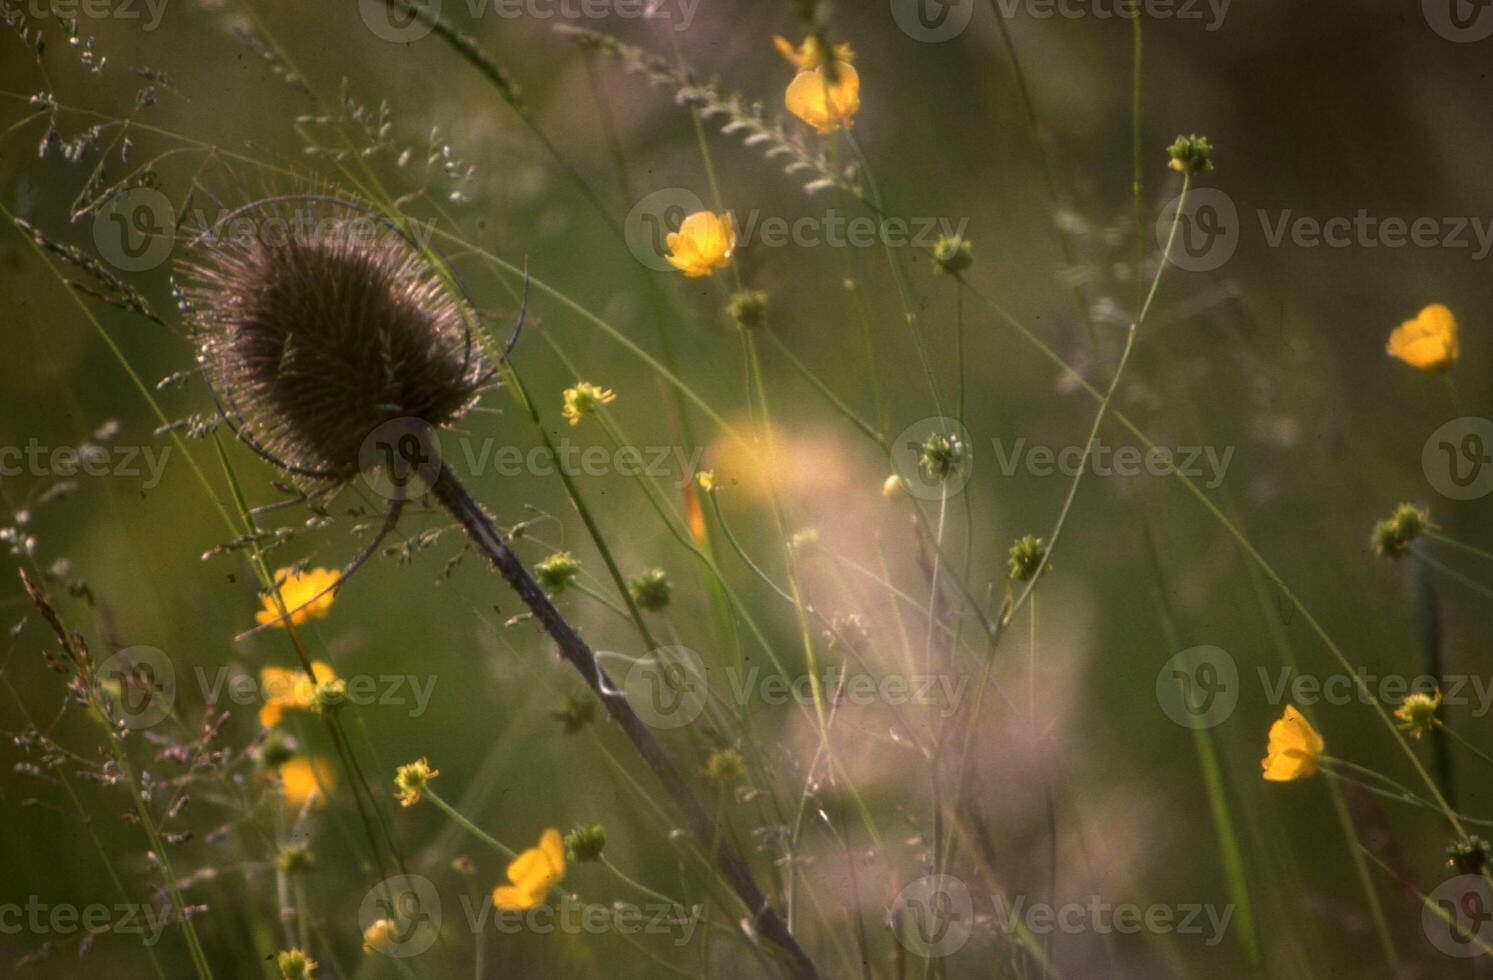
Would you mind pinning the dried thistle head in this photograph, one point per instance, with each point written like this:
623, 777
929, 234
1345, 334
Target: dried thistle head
316, 321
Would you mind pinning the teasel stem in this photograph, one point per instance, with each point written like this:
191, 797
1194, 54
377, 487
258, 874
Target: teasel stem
485, 536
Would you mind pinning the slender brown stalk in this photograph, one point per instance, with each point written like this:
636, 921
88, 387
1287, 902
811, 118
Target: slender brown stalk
485, 536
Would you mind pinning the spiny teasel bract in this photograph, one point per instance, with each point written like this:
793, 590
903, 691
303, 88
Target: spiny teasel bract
315, 321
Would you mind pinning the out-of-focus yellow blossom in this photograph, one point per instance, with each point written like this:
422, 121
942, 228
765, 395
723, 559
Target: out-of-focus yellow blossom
584, 399
533, 873
810, 54
297, 590
1295, 748
302, 778
703, 243
379, 936
1429, 342
826, 105
290, 688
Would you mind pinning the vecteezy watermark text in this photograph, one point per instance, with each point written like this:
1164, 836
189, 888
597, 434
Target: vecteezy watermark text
36, 459
360, 690
149, 11
1207, 463
1209, 228
669, 689
405, 21
40, 918
934, 916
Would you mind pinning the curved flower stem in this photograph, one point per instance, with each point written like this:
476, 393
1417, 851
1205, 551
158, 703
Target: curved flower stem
468, 826
1145, 307
484, 534
1462, 741
1453, 543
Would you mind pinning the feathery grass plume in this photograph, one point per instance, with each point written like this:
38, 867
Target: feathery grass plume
314, 337
747, 119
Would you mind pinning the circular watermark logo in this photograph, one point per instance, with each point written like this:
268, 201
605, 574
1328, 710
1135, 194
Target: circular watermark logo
668, 689
933, 916
1207, 229
399, 22
648, 224
932, 21
142, 682
1458, 916
401, 459
136, 229
934, 457
409, 908
1458, 458
1463, 21
1199, 687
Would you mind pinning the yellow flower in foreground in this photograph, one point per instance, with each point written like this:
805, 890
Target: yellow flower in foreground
297, 590
584, 399
289, 688
810, 55
301, 779
825, 105
533, 873
703, 243
1295, 748
1429, 342
1417, 713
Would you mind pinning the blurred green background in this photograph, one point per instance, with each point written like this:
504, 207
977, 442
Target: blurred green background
1277, 355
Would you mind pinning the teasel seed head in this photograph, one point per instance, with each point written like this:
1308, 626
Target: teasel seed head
316, 321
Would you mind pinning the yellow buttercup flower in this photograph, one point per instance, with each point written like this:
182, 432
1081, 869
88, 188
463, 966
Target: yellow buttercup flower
290, 688
1295, 748
584, 399
810, 54
301, 779
703, 243
298, 589
533, 873
825, 105
1429, 342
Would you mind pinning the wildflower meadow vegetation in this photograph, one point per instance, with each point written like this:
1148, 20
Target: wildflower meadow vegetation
645, 488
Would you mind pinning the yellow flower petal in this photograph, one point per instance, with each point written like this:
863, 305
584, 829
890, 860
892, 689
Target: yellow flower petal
703, 243
509, 897
301, 779
1429, 342
290, 688
825, 105
1295, 748
533, 873
302, 595
807, 56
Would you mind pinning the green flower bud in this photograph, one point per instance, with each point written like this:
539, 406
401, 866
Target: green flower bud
586, 843
748, 309
557, 571
1026, 557
1394, 536
952, 255
651, 590
1191, 155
